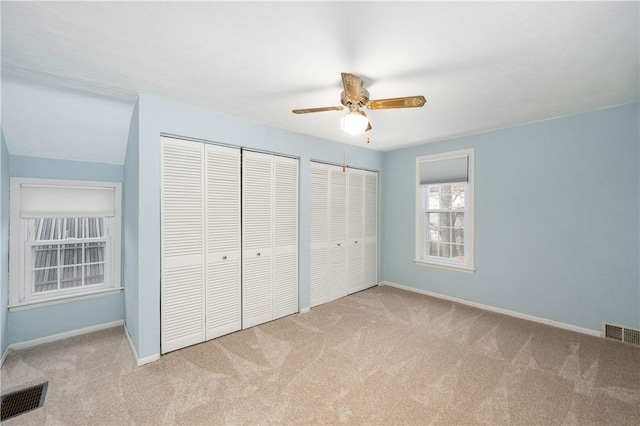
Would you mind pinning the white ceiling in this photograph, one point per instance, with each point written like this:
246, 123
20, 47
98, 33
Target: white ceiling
481, 65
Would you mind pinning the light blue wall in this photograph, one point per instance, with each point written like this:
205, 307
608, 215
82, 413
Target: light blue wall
130, 230
4, 242
556, 219
49, 320
45, 321
46, 168
162, 116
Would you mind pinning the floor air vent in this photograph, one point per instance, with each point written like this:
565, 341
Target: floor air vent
621, 334
19, 402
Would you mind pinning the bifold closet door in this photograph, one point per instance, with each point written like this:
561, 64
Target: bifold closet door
285, 237
223, 282
355, 230
338, 275
207, 288
257, 235
182, 244
344, 231
370, 229
319, 256
200, 239
270, 237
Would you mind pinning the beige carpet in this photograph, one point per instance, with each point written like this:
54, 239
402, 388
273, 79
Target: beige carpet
383, 356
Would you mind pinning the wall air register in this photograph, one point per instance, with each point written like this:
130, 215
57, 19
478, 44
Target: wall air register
22, 401
621, 333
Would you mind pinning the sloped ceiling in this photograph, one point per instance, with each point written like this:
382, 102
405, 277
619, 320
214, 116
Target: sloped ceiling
481, 65
51, 121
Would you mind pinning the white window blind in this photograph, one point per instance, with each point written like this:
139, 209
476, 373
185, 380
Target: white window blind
445, 170
76, 201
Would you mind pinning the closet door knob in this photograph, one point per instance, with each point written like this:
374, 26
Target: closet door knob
338, 244
224, 257
258, 254
356, 242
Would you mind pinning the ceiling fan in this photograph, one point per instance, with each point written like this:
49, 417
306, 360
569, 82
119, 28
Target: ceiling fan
354, 97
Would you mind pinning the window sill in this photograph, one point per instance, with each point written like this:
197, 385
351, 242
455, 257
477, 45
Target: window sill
31, 304
450, 266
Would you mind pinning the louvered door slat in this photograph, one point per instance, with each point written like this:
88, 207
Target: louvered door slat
285, 284
257, 199
256, 291
338, 277
371, 205
319, 276
355, 203
355, 266
338, 193
285, 201
285, 248
182, 198
182, 244
319, 198
223, 285
223, 298
370, 264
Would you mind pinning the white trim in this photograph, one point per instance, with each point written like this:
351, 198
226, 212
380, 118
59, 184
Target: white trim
515, 314
443, 265
63, 299
469, 231
17, 259
131, 345
65, 335
148, 359
139, 361
305, 310
4, 356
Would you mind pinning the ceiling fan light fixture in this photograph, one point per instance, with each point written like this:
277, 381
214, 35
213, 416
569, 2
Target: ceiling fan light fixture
355, 96
354, 122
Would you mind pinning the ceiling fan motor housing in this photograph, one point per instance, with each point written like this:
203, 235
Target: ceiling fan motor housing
361, 100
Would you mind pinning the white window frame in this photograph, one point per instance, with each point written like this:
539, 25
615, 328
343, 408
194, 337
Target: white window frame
468, 264
21, 295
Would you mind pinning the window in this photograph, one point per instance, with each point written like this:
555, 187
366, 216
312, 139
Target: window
67, 253
444, 210
65, 240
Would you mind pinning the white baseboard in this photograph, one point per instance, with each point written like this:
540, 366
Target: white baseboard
304, 310
148, 359
139, 361
565, 326
65, 335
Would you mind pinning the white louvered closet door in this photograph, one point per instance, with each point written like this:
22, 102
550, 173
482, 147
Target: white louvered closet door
338, 277
355, 230
257, 235
319, 256
370, 229
223, 282
182, 241
285, 236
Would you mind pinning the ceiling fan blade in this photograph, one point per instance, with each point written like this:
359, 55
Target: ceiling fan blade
407, 102
308, 110
368, 127
352, 85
